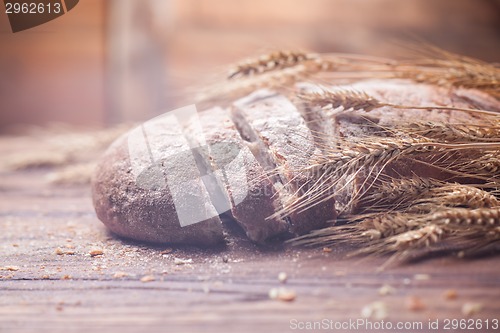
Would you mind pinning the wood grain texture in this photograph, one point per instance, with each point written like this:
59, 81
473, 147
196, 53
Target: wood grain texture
221, 290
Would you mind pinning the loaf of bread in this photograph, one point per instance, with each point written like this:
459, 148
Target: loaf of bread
264, 162
398, 157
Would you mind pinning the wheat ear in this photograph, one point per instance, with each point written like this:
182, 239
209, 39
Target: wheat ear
270, 62
452, 132
356, 100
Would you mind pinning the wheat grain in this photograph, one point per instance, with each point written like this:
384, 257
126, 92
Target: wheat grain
494, 233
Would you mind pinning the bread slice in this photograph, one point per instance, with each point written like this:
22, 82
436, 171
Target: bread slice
283, 143
236, 182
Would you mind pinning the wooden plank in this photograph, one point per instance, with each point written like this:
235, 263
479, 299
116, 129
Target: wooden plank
45, 288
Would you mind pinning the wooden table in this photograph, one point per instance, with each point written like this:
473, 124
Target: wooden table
50, 282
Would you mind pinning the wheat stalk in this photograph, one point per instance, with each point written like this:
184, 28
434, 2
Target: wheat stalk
455, 195
270, 62
313, 63
487, 164
397, 193
453, 132
422, 237
463, 216
445, 68
357, 100
332, 99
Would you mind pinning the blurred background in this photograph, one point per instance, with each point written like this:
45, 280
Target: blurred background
114, 61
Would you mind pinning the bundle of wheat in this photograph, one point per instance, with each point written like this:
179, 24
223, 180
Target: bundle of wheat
392, 157
405, 182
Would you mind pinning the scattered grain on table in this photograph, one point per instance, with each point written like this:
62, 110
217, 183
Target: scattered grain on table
450, 294
96, 252
9, 268
421, 277
414, 303
386, 290
470, 309
148, 278
282, 294
61, 252
180, 261
282, 277
120, 275
376, 310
